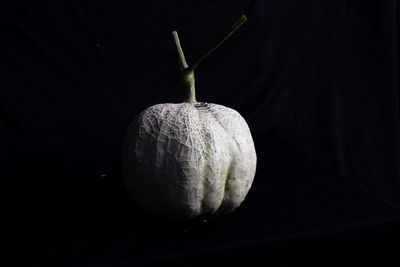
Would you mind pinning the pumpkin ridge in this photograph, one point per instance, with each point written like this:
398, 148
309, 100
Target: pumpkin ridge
218, 184
189, 137
205, 207
221, 208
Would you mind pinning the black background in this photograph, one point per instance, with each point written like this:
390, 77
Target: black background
317, 82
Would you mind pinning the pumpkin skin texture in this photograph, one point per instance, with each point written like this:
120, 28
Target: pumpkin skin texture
186, 160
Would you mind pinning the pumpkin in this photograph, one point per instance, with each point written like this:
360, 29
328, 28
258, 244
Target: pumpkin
190, 159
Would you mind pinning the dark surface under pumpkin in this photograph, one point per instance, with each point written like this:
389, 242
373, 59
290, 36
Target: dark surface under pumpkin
316, 226
311, 218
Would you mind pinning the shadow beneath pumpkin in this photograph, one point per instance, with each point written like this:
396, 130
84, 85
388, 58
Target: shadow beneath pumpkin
76, 207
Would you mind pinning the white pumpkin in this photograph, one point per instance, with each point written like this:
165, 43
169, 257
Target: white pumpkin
190, 159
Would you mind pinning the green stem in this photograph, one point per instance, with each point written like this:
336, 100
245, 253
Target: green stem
181, 56
187, 77
187, 72
219, 42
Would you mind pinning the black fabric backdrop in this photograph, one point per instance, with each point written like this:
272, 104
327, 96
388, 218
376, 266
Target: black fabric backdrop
317, 82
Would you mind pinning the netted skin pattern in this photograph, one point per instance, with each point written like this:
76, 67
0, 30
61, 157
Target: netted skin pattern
186, 160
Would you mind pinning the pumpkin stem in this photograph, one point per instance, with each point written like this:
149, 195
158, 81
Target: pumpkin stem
187, 77
181, 56
187, 72
219, 42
